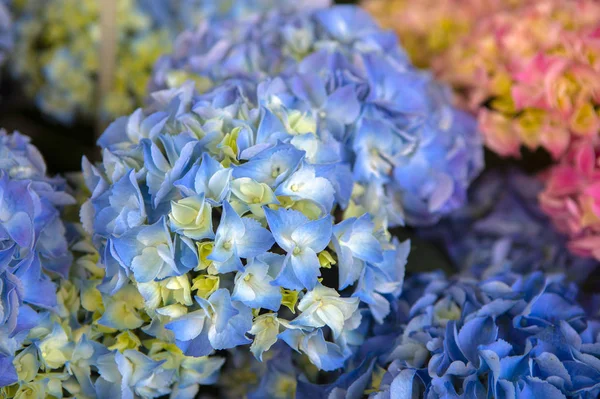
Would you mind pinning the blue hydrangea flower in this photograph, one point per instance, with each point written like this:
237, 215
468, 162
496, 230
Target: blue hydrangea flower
505, 336
216, 227
342, 76
503, 229
34, 250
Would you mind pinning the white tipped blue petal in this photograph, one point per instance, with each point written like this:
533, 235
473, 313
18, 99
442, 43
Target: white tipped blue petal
254, 289
209, 178
306, 266
305, 185
255, 241
148, 252
283, 223
231, 320
314, 234
355, 243
189, 326
238, 237
301, 238
271, 166
325, 355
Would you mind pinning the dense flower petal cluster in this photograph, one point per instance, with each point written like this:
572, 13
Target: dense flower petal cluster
408, 146
506, 336
530, 72
503, 229
428, 28
34, 251
571, 198
223, 216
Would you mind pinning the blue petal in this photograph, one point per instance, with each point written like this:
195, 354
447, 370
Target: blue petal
8, 374
256, 240
306, 267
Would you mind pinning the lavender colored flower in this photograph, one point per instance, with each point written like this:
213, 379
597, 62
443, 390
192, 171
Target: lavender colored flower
503, 229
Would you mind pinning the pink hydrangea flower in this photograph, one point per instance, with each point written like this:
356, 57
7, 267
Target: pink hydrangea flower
529, 69
532, 73
572, 197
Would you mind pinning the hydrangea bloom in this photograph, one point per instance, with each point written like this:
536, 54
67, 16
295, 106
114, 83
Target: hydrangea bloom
428, 28
33, 248
503, 229
530, 73
341, 73
506, 336
223, 222
571, 198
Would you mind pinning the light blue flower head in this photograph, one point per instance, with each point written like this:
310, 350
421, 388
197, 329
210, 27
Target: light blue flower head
350, 81
34, 250
226, 216
505, 336
503, 229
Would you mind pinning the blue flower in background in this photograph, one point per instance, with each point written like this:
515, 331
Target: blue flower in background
34, 248
337, 74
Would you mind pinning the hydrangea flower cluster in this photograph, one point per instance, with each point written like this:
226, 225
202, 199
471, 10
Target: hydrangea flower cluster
34, 252
531, 74
506, 336
571, 198
220, 217
408, 146
503, 229
428, 28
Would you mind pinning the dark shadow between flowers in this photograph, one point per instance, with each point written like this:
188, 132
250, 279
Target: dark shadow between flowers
62, 146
